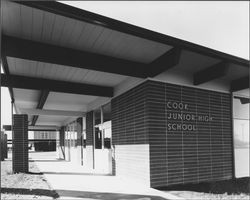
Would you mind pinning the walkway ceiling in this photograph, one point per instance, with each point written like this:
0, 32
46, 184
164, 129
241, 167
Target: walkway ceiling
60, 58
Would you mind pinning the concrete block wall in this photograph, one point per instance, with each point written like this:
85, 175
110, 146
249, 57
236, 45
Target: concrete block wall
4, 150
130, 135
144, 129
90, 140
20, 143
5, 146
79, 131
203, 153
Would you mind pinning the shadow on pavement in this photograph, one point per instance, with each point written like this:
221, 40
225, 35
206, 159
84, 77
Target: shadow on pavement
79, 194
105, 196
24, 191
76, 173
34, 173
32, 160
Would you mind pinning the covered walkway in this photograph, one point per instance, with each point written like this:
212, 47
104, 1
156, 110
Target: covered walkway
71, 181
104, 86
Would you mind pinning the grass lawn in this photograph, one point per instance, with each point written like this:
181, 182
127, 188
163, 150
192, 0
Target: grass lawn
32, 185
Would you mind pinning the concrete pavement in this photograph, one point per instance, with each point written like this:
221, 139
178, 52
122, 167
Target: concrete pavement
76, 182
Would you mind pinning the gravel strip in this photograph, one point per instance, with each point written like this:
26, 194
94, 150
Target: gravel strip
32, 185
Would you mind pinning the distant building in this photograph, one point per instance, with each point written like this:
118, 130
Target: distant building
44, 140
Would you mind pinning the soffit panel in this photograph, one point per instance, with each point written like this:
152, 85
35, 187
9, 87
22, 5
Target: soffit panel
244, 93
192, 62
25, 98
36, 69
71, 102
34, 24
51, 120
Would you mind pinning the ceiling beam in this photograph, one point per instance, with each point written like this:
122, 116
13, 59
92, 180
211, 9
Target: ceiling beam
34, 128
26, 49
213, 72
239, 84
43, 127
49, 130
86, 16
66, 113
7, 73
43, 97
164, 62
55, 86
243, 100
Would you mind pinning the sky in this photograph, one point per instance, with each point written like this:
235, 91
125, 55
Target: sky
223, 26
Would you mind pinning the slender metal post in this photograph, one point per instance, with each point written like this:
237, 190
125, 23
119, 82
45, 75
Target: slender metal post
12, 133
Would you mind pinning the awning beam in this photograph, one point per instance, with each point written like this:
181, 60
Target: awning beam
166, 61
37, 51
213, 72
43, 97
240, 84
46, 112
55, 86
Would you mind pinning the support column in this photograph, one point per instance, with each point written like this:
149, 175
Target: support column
61, 143
20, 143
2, 151
90, 140
79, 140
5, 146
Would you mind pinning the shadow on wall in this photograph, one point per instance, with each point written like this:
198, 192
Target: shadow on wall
79, 194
232, 186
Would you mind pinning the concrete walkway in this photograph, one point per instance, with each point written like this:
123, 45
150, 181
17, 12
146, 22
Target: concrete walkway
75, 182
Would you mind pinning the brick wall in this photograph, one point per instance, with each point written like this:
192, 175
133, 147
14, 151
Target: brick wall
20, 143
195, 146
5, 146
79, 131
3, 150
130, 136
89, 139
200, 153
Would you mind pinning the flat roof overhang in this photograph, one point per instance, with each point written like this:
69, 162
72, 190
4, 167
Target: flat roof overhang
56, 56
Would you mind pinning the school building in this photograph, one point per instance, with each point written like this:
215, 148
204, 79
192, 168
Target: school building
124, 100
